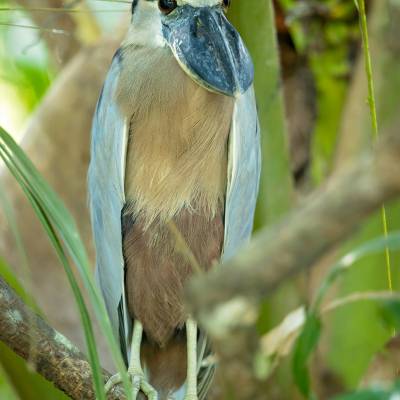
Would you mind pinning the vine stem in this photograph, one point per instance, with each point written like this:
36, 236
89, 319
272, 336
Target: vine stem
374, 120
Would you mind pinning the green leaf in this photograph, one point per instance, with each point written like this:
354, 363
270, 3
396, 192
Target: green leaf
390, 311
374, 246
356, 331
372, 394
365, 395
305, 345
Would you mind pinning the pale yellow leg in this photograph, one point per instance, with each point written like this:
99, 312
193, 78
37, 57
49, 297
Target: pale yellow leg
191, 378
135, 370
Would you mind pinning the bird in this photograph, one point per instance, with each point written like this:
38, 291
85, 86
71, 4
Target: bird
173, 182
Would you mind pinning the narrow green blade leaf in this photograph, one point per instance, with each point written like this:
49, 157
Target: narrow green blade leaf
381, 243
305, 344
57, 221
88, 330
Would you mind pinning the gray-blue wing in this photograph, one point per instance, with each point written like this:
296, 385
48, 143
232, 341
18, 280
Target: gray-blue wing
106, 196
244, 167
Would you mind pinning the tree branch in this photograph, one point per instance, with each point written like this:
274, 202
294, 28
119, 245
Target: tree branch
226, 300
53, 355
295, 243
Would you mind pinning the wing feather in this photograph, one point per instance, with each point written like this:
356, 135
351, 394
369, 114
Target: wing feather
244, 166
106, 196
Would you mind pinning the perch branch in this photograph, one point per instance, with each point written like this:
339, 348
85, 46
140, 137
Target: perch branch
226, 300
53, 355
296, 242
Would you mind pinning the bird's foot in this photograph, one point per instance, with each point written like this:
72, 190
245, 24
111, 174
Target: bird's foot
112, 381
139, 383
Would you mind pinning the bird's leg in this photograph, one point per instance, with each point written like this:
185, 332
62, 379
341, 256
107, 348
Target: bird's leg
135, 370
191, 378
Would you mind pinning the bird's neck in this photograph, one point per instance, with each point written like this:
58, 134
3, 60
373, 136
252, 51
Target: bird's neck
145, 28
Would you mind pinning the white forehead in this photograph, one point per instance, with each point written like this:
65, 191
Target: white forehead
199, 3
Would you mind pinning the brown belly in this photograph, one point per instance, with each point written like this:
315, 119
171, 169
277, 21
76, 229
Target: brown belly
156, 270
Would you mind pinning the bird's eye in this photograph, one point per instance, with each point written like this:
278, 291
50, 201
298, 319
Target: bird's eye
227, 3
166, 6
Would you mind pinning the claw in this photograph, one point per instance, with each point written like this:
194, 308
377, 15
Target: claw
139, 383
114, 380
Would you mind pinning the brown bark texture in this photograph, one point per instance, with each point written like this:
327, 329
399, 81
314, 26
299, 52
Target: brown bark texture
48, 351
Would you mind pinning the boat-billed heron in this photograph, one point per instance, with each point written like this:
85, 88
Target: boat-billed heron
175, 143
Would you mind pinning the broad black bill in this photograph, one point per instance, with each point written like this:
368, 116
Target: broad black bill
209, 49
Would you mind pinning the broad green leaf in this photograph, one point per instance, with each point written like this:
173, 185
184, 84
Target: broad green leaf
305, 344
356, 332
372, 394
366, 395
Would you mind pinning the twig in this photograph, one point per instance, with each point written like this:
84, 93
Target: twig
361, 296
182, 247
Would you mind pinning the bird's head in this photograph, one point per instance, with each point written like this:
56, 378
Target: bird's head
204, 43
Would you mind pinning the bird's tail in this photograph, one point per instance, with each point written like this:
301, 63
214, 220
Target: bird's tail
166, 368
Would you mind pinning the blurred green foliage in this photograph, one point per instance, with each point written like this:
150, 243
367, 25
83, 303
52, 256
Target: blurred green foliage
6, 390
329, 40
26, 383
25, 73
373, 394
276, 186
